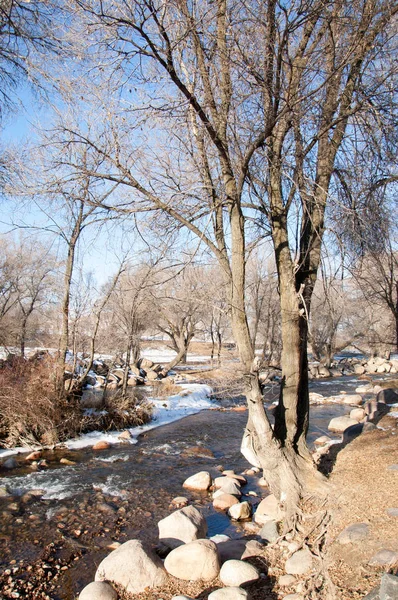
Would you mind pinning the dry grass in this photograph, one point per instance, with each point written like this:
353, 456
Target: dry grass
31, 411
119, 412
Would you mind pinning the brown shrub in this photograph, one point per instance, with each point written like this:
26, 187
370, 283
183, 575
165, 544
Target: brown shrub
31, 411
119, 412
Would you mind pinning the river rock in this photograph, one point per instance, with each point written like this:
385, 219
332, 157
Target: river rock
229, 593
389, 587
238, 549
194, 561
229, 486
384, 558
219, 482
286, 580
36, 455
359, 369
151, 375
66, 461
181, 598
236, 572
102, 445
269, 531
387, 396
340, 424
10, 463
145, 363
268, 510
199, 482
352, 399
392, 512
182, 526
179, 501
133, 566
357, 414
240, 478
353, 533
98, 590
240, 511
125, 435
299, 563
322, 440
224, 501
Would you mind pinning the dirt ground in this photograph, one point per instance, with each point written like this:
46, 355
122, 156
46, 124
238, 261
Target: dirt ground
363, 489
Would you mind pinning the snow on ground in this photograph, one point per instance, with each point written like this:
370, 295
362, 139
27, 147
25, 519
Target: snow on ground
164, 355
192, 399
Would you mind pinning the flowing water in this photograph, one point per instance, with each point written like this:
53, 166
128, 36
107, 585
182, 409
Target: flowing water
122, 493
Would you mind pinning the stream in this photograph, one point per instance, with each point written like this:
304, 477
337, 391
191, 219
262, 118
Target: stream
55, 541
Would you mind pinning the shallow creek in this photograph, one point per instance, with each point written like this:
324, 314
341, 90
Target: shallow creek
55, 542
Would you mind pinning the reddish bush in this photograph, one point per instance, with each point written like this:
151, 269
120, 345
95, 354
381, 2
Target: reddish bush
31, 411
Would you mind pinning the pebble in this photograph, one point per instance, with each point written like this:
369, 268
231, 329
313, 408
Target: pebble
393, 468
299, 563
392, 512
286, 580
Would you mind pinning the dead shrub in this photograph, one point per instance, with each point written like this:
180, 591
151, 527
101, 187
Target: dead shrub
165, 388
31, 411
119, 412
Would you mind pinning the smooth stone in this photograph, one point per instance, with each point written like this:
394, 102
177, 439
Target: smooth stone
180, 501
392, 468
101, 446
268, 510
219, 538
182, 526
231, 486
229, 593
219, 482
286, 580
392, 512
238, 549
352, 399
299, 563
353, 533
389, 587
340, 424
384, 558
321, 441
133, 566
10, 463
98, 590
66, 461
200, 482
34, 455
357, 414
181, 598
224, 501
125, 435
269, 531
236, 572
194, 561
367, 427
240, 511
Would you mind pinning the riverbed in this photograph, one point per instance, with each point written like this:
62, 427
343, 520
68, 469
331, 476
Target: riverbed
54, 542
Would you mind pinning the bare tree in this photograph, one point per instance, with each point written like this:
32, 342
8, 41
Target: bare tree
257, 102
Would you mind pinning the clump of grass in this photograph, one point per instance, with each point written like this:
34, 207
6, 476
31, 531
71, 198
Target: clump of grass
165, 388
119, 412
32, 413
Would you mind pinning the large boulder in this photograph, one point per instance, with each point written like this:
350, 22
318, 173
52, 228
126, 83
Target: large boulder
199, 482
98, 590
182, 526
133, 566
268, 510
194, 561
340, 424
237, 572
388, 396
